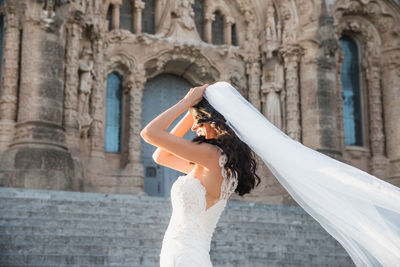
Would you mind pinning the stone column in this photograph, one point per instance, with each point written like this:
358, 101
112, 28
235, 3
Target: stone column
74, 32
9, 78
139, 6
253, 71
158, 10
135, 167
339, 99
291, 56
97, 166
115, 16
228, 30
376, 136
319, 90
209, 18
97, 103
391, 102
38, 157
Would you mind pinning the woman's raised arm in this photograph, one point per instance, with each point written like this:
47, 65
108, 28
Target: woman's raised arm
165, 158
155, 133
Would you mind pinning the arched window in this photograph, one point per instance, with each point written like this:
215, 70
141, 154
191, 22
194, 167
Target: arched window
234, 36
113, 113
126, 15
109, 17
198, 8
218, 29
352, 112
149, 16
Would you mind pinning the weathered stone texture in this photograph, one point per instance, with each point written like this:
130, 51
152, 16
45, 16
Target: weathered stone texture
57, 55
50, 228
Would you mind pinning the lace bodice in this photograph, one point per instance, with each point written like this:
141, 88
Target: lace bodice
192, 225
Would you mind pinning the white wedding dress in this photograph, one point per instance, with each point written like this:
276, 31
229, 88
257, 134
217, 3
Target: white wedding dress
187, 240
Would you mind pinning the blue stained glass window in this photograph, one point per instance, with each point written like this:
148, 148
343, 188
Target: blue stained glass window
113, 113
352, 113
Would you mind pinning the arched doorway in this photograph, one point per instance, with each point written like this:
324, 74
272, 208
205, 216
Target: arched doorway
159, 94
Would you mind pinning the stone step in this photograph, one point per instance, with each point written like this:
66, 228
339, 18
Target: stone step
54, 228
51, 259
161, 209
73, 228
79, 240
15, 218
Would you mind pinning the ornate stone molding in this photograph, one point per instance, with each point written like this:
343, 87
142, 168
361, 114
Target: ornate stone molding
200, 65
253, 70
74, 32
96, 132
291, 56
364, 30
377, 13
377, 138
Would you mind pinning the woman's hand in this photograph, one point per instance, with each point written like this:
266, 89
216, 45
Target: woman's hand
195, 95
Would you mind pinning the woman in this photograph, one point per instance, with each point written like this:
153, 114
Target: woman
361, 211
217, 164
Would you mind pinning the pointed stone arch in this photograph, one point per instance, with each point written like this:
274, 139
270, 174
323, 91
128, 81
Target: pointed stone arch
368, 22
185, 61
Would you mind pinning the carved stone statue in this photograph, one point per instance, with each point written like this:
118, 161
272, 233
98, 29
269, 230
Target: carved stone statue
272, 103
270, 25
273, 94
85, 88
182, 25
48, 14
289, 25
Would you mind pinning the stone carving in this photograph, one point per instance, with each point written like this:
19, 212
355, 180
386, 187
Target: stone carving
339, 98
253, 71
188, 53
306, 12
291, 56
48, 13
85, 89
272, 40
289, 24
377, 138
96, 131
237, 79
374, 25
182, 25
260, 35
270, 25
71, 124
135, 84
273, 94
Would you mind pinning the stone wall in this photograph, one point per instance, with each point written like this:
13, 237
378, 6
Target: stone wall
57, 55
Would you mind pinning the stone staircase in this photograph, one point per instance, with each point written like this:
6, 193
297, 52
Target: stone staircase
56, 228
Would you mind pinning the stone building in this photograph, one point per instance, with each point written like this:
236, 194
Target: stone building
80, 79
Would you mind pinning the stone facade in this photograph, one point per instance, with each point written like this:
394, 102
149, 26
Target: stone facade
283, 56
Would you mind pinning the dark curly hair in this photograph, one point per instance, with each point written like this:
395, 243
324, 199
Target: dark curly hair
240, 157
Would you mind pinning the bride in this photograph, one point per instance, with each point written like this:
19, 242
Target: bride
217, 164
361, 211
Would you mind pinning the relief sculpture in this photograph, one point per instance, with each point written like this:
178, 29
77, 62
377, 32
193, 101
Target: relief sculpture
85, 89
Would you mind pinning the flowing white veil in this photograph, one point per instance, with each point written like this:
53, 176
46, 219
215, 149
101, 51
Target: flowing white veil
361, 211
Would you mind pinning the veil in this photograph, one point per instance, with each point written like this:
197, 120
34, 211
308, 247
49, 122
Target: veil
359, 210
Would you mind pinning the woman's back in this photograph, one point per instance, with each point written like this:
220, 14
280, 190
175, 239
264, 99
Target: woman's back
187, 239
